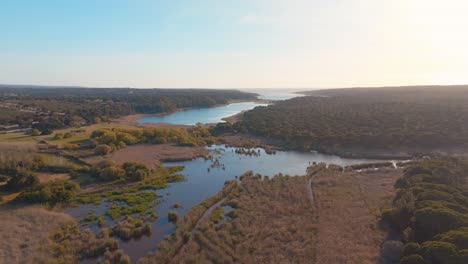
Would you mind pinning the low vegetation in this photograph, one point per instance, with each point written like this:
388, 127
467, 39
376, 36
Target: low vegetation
430, 211
130, 228
348, 207
109, 139
170, 247
24, 229
52, 192
68, 244
137, 198
272, 222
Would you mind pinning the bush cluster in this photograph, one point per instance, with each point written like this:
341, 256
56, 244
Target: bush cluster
128, 171
53, 192
117, 138
430, 210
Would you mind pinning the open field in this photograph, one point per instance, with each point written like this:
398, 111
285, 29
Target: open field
46, 177
22, 229
151, 155
15, 137
266, 221
348, 207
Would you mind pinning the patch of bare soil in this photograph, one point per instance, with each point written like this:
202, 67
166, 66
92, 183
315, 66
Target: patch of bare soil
46, 176
152, 154
22, 229
348, 207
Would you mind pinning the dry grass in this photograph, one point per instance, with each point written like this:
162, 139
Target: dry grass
22, 229
152, 155
16, 137
272, 223
348, 208
46, 177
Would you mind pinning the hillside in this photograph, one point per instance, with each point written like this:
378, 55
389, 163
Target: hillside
417, 118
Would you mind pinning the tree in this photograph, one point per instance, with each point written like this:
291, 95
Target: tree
53, 192
112, 173
102, 150
135, 171
21, 180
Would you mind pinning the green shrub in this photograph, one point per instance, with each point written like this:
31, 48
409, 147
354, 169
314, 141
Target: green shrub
172, 216
430, 222
71, 146
53, 192
411, 249
112, 173
102, 150
20, 180
413, 259
458, 237
135, 171
35, 132
439, 252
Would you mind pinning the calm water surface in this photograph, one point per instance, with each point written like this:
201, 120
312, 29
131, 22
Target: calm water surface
202, 183
201, 115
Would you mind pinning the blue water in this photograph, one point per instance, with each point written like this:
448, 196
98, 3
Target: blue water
275, 96
202, 183
201, 115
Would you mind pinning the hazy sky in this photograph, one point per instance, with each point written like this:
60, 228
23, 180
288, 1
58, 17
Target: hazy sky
240, 43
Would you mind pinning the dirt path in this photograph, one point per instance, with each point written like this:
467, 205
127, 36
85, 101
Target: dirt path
207, 213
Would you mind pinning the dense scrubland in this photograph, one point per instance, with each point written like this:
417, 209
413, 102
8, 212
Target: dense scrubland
430, 213
413, 118
50, 108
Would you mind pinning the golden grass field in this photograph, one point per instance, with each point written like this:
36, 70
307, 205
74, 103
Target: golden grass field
23, 229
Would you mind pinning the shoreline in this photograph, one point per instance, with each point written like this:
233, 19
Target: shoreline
133, 118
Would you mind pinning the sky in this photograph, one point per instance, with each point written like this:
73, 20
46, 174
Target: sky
233, 44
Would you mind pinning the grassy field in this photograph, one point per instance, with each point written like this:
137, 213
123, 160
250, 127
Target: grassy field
23, 229
263, 221
80, 134
16, 137
348, 210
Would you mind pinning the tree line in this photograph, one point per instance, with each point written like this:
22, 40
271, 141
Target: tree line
49, 108
430, 212
367, 118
